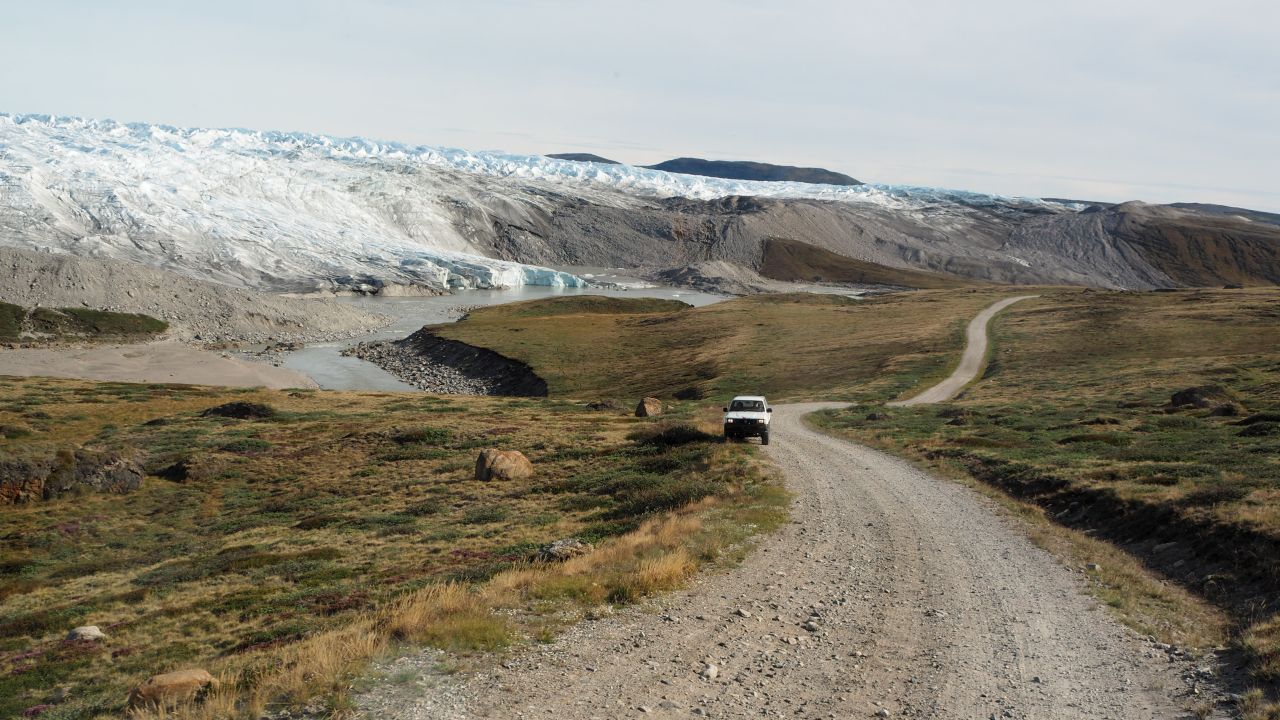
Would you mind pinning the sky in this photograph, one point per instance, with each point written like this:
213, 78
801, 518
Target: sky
1118, 100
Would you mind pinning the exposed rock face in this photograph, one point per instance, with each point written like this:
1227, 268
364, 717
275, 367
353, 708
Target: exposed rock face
22, 481
562, 550
25, 480
439, 365
172, 688
494, 464
649, 407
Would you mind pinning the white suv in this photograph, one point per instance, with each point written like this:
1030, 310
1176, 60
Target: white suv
747, 416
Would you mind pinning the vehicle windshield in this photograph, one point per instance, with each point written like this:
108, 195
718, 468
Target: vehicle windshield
747, 406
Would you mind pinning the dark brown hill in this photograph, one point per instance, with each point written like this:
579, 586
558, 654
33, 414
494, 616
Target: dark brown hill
797, 261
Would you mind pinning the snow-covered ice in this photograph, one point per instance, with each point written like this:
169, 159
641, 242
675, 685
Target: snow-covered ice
288, 210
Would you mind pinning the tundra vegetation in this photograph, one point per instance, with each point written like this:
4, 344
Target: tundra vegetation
1137, 434
787, 346
289, 537
284, 550
1151, 424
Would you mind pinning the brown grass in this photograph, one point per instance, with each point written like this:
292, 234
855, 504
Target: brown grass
787, 346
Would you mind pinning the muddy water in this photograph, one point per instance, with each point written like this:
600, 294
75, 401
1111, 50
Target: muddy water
324, 362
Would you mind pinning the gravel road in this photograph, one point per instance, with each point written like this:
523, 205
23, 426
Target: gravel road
893, 593
975, 352
893, 590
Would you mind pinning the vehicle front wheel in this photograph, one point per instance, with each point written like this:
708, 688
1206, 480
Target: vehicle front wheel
764, 439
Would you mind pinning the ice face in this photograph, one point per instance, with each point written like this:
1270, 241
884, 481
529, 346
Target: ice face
272, 208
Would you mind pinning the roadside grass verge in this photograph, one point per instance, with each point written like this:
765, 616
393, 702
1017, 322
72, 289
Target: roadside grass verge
1073, 425
282, 552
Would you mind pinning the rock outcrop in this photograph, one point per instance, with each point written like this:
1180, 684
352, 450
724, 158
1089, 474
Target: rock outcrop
24, 480
493, 464
565, 549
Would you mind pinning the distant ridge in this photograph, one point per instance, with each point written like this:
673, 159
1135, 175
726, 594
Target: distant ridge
743, 170
730, 169
584, 157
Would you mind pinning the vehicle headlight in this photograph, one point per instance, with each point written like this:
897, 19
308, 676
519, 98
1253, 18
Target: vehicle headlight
729, 420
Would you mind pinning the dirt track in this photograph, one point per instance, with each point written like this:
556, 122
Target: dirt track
975, 352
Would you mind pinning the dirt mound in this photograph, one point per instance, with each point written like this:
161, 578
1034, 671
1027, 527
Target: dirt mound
716, 276
1202, 396
194, 309
241, 411
439, 365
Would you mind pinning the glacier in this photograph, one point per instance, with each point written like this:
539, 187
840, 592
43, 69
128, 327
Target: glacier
302, 212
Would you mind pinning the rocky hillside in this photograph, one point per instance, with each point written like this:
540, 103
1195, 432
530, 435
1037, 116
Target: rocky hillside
22, 324
193, 309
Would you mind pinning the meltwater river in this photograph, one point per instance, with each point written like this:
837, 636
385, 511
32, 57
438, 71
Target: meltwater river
324, 362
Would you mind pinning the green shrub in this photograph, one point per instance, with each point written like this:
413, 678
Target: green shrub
485, 514
423, 435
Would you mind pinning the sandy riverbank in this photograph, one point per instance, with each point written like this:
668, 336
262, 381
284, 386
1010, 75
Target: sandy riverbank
158, 362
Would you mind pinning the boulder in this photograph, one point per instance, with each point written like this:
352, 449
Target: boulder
173, 688
562, 550
502, 465
86, 632
649, 407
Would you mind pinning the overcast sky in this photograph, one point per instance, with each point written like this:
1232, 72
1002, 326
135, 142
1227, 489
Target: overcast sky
1174, 100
